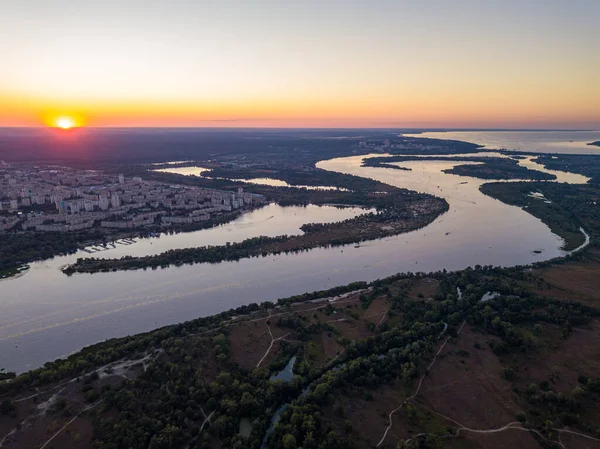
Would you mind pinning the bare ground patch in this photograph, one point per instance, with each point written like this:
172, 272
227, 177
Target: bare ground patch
249, 341
424, 288
377, 311
466, 385
574, 281
560, 361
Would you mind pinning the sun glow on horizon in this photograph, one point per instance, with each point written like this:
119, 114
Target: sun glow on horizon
160, 67
64, 122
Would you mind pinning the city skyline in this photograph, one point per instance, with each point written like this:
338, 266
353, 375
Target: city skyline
433, 64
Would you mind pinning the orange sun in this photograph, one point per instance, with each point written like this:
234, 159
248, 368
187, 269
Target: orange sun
64, 122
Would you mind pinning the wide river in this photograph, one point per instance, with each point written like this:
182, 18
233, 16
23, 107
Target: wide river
45, 314
572, 142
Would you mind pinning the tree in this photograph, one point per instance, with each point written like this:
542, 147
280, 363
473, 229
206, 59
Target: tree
7, 407
289, 441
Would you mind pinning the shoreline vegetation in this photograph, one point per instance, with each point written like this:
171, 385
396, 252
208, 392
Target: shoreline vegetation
353, 345
564, 208
18, 249
489, 168
397, 213
296, 168
14, 272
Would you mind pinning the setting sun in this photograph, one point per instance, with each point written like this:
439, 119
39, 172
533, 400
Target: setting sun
65, 122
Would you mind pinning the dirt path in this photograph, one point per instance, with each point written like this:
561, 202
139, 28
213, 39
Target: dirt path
206, 421
273, 340
382, 318
89, 407
118, 367
515, 425
410, 398
335, 358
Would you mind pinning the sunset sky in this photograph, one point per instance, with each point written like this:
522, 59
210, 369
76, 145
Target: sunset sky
328, 63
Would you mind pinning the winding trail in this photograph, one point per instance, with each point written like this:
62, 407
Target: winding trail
28, 397
206, 421
382, 318
44, 406
410, 398
89, 407
335, 358
584, 244
515, 425
273, 340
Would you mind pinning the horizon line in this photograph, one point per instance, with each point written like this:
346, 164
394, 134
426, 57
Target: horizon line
380, 128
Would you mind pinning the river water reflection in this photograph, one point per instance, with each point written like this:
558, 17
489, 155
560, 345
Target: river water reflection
572, 142
271, 220
198, 171
45, 314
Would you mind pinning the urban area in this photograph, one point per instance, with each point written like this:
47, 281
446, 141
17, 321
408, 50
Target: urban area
61, 199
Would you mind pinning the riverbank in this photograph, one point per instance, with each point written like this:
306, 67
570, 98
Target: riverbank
14, 272
564, 208
82, 309
363, 352
21, 247
403, 213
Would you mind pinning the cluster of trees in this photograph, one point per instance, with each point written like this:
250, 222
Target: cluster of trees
18, 248
498, 168
311, 177
583, 164
252, 247
487, 167
378, 162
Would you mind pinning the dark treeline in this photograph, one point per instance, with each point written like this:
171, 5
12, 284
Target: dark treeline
89, 147
18, 248
500, 169
309, 177
583, 164
571, 206
487, 167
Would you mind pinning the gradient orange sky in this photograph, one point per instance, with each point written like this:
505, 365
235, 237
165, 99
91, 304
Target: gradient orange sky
329, 63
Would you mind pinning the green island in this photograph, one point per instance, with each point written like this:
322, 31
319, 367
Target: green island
397, 211
485, 167
583, 164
